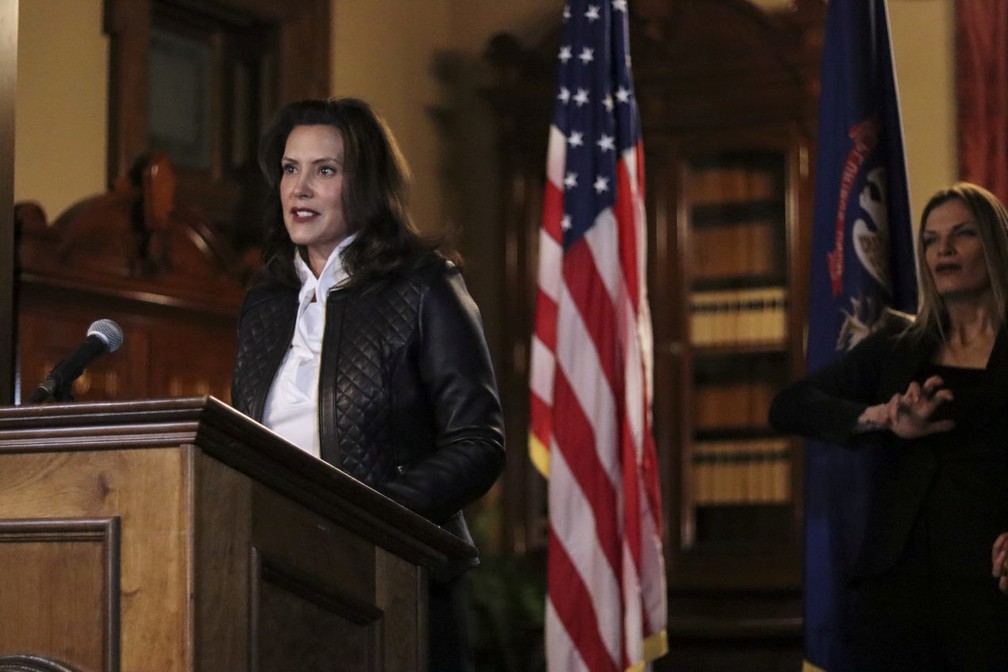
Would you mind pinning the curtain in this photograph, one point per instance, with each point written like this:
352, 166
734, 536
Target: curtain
982, 90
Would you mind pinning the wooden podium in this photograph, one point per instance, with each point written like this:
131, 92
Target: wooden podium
177, 534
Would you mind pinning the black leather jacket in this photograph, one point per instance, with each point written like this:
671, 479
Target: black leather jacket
408, 403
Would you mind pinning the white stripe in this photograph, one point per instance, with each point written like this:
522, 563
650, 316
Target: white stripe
561, 654
645, 336
578, 359
652, 569
633, 376
542, 371
603, 241
556, 157
573, 523
629, 159
633, 638
550, 265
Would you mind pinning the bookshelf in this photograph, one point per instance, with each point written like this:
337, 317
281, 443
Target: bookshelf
734, 205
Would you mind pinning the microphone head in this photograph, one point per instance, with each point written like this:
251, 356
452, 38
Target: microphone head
108, 331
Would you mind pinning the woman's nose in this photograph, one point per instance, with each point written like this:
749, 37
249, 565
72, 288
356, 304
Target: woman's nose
302, 187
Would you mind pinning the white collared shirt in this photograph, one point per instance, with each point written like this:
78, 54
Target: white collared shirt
292, 403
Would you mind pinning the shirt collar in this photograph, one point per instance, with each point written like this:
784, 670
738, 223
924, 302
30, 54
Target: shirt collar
332, 273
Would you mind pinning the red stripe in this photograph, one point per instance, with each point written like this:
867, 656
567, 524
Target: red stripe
572, 603
649, 474
631, 497
625, 212
546, 320
541, 420
576, 441
595, 307
553, 211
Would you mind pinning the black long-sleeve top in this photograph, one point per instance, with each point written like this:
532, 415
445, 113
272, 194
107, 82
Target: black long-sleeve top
937, 502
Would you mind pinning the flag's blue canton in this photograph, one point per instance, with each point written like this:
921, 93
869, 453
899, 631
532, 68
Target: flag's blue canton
595, 109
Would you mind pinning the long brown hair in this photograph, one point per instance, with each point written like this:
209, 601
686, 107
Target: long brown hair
374, 194
991, 219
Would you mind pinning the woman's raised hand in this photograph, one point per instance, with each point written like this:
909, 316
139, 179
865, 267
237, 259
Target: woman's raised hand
999, 561
908, 415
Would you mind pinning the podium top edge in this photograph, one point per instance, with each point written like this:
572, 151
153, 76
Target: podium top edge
229, 436
25, 414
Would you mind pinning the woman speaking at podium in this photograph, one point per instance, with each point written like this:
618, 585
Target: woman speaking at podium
362, 345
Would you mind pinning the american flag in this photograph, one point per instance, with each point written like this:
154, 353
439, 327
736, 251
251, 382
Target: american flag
592, 359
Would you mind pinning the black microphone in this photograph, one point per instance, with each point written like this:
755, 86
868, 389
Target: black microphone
102, 336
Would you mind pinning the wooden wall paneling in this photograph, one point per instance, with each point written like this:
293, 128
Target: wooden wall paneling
8, 92
522, 155
128, 26
137, 256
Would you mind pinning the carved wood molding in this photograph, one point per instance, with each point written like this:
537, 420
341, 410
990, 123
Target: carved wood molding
135, 242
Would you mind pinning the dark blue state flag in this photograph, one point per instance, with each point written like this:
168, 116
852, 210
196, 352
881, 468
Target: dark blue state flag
862, 262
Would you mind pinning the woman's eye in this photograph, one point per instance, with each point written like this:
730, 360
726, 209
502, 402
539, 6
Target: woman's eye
327, 171
927, 242
288, 168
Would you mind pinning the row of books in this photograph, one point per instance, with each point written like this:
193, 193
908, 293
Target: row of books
738, 316
733, 250
733, 184
741, 472
743, 404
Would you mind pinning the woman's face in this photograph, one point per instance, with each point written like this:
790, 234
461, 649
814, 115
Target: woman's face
311, 191
954, 252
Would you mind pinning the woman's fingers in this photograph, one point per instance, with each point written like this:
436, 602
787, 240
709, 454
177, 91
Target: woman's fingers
913, 393
931, 385
999, 561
